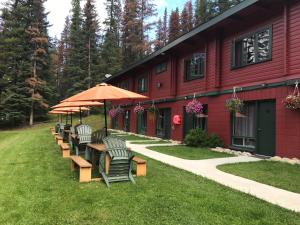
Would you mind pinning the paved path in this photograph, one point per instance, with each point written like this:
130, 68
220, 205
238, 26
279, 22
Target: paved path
207, 168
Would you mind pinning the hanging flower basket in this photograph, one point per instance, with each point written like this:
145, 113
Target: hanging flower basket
139, 109
119, 110
234, 104
194, 107
152, 110
293, 101
112, 113
115, 111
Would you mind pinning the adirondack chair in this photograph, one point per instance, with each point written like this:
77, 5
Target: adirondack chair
84, 136
65, 134
97, 138
61, 129
57, 126
120, 163
72, 131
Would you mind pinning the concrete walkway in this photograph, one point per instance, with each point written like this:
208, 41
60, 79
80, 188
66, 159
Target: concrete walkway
208, 168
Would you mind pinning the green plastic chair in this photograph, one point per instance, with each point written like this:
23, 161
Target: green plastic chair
84, 137
120, 165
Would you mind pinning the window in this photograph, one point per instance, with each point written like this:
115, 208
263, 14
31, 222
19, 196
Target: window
194, 66
141, 123
194, 122
162, 67
125, 85
142, 85
252, 48
243, 129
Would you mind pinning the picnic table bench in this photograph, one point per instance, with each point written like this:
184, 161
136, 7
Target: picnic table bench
85, 168
64, 147
141, 166
58, 139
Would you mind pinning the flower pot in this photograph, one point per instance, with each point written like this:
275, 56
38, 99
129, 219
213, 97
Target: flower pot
240, 115
201, 115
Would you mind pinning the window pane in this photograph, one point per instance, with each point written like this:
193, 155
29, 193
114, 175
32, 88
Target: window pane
248, 50
194, 67
263, 39
244, 127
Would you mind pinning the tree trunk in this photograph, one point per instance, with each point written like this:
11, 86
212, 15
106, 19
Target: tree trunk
32, 96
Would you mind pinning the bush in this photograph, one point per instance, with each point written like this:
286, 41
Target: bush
199, 138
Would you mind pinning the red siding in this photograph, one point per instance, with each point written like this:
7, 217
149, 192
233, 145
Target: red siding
285, 64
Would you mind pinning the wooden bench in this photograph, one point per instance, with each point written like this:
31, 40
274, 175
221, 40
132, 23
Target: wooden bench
141, 166
85, 168
64, 147
58, 139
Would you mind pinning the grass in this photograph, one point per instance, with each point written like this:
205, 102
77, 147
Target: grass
151, 142
186, 152
278, 174
37, 187
132, 137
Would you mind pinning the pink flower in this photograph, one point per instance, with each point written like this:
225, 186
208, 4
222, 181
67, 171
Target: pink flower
194, 107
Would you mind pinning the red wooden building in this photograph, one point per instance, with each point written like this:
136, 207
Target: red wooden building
254, 46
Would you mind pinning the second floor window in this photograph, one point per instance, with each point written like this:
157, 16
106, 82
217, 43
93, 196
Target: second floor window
125, 85
162, 67
252, 48
194, 66
142, 84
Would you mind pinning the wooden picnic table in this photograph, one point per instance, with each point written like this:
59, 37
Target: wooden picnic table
100, 149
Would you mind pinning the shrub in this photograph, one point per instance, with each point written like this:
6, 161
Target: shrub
199, 138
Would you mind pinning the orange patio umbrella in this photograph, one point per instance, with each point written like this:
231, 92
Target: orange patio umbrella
59, 113
68, 110
104, 92
77, 104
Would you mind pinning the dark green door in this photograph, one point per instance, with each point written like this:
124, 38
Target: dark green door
163, 123
266, 128
126, 121
141, 125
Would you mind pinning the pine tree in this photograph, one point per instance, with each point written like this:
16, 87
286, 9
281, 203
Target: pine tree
75, 67
63, 48
25, 62
131, 42
111, 52
159, 41
165, 28
174, 25
200, 11
146, 9
90, 29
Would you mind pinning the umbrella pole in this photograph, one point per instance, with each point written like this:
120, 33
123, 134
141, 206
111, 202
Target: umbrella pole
80, 116
67, 119
105, 119
71, 120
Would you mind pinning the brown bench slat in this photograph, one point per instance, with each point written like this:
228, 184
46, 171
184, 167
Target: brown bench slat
138, 160
64, 146
80, 161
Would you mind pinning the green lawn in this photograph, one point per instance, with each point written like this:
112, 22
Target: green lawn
277, 174
132, 137
151, 142
186, 152
37, 187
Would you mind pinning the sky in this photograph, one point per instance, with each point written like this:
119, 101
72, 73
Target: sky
59, 9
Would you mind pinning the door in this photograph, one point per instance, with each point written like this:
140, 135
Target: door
163, 123
126, 121
266, 128
190, 121
141, 125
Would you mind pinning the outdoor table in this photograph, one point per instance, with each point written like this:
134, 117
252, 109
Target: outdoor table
99, 148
